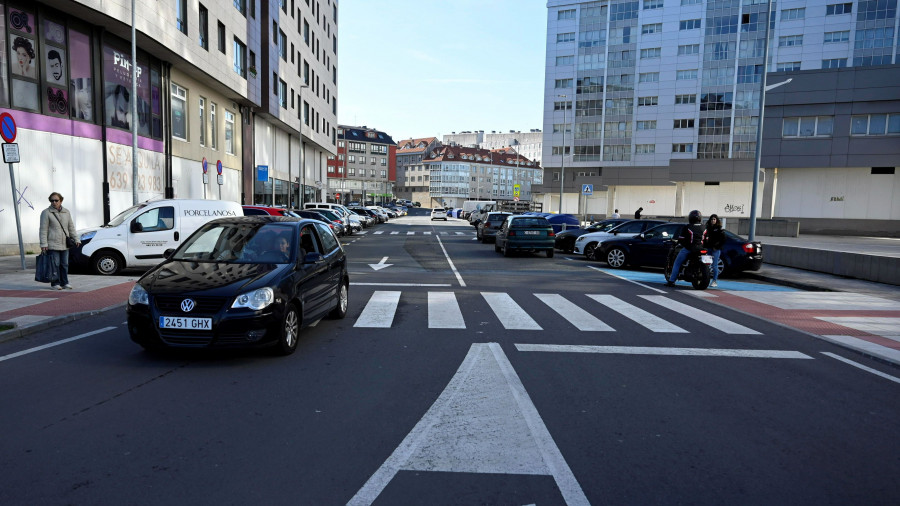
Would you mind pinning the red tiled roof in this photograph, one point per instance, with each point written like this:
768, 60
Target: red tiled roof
500, 157
414, 145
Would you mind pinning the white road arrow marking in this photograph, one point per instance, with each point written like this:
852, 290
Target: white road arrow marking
380, 265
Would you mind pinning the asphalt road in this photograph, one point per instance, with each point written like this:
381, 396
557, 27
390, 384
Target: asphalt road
458, 377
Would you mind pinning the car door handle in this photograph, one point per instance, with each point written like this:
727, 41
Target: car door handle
176, 235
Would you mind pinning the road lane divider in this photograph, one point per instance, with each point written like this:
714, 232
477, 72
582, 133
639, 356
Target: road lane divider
57, 343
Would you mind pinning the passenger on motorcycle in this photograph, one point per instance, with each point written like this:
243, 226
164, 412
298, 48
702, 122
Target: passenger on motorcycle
691, 238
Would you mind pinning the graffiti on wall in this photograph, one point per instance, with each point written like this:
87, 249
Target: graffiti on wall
734, 208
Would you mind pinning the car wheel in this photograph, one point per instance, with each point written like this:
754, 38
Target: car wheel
343, 301
589, 251
721, 266
107, 263
616, 258
550, 253
290, 331
506, 251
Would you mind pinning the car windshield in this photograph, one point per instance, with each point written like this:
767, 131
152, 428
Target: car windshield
529, 222
115, 222
328, 214
240, 243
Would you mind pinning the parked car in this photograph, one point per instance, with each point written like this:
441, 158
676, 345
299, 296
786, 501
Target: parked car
488, 227
237, 282
438, 213
525, 233
312, 215
565, 240
336, 219
587, 243
364, 218
376, 218
650, 249
267, 211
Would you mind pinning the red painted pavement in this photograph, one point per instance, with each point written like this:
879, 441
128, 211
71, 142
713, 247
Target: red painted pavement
66, 302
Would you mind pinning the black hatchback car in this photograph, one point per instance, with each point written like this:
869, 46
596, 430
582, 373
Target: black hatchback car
250, 281
650, 249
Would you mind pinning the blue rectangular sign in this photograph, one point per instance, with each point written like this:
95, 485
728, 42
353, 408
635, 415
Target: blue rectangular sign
587, 189
262, 173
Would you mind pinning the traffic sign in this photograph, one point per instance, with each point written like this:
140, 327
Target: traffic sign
10, 153
515, 199
7, 127
204, 165
587, 189
517, 190
262, 173
219, 167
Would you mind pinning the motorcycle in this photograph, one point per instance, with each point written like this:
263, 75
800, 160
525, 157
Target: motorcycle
696, 268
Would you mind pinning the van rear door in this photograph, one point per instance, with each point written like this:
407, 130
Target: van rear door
150, 234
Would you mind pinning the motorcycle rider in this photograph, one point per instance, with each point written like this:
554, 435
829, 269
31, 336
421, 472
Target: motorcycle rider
691, 238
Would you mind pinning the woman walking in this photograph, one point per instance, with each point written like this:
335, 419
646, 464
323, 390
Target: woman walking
714, 239
57, 226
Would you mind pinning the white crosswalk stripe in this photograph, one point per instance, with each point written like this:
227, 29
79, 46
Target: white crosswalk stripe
572, 313
379, 312
445, 312
700, 315
636, 314
378, 232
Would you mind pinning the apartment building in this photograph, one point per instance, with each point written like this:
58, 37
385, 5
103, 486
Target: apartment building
527, 144
460, 173
412, 174
365, 167
223, 109
657, 102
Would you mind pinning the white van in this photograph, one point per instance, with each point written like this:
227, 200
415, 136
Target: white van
140, 235
343, 212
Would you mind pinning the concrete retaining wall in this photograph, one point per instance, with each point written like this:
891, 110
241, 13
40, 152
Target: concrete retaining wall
880, 269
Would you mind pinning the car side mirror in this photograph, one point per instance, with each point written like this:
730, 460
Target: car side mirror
136, 227
313, 258
168, 253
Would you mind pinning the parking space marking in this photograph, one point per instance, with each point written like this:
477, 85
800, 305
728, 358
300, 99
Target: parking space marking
636, 314
581, 319
379, 311
444, 312
510, 314
449, 261
700, 315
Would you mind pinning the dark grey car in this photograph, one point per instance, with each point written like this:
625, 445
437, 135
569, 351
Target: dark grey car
486, 230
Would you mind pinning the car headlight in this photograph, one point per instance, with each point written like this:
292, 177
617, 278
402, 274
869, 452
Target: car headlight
88, 235
256, 300
581, 239
138, 296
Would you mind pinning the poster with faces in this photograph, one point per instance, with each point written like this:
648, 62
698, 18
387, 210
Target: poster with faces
23, 56
54, 60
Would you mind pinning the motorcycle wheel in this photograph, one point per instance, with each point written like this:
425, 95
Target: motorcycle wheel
700, 280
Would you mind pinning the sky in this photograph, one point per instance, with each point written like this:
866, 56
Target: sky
423, 68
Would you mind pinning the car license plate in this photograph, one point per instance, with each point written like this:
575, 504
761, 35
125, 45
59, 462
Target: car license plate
707, 259
532, 232
179, 322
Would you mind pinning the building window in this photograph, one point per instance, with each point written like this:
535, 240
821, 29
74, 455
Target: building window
213, 127
558, 128
685, 99
202, 121
282, 94
651, 28
241, 6
644, 149
837, 9
688, 49
647, 101
808, 126
874, 38
834, 63
689, 24
682, 75
833, 37
565, 14
203, 39
653, 4
306, 32
652, 52
282, 45
646, 125
682, 148
683, 123
648, 77
179, 112
559, 106
749, 73
790, 40
229, 132
240, 58
563, 83
221, 32
691, 2
557, 150
789, 14
181, 16
565, 60
565, 37
788, 66
875, 124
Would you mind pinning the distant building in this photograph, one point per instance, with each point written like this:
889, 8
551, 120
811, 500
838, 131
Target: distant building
412, 174
459, 173
528, 144
364, 169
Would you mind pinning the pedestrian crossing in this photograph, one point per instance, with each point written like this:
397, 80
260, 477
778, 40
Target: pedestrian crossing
422, 232
581, 312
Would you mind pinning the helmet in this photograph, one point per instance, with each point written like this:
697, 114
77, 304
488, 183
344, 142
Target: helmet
695, 217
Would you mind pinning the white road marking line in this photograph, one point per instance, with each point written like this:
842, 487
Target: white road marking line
352, 283
581, 319
379, 311
410, 233
626, 279
443, 233
427, 233
821, 300
642, 350
510, 314
51, 345
483, 422
394, 232
363, 232
444, 312
636, 314
701, 316
864, 368
449, 261
378, 232
460, 233
869, 347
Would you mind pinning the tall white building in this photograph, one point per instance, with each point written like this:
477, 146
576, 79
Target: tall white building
659, 99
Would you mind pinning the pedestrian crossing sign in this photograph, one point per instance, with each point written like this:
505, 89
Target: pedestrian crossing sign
587, 189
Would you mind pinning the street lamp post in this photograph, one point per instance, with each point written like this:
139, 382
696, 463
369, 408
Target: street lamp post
562, 165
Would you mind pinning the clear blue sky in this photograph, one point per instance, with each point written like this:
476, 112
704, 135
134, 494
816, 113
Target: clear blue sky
422, 68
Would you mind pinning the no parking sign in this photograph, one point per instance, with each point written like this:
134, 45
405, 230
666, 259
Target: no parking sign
220, 178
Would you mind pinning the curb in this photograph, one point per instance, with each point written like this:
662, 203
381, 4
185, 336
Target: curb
55, 321
787, 282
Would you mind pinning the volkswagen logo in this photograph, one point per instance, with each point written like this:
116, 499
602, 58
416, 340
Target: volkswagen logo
187, 305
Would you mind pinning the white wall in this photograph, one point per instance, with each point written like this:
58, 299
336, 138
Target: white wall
844, 193
187, 181
656, 200
726, 199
